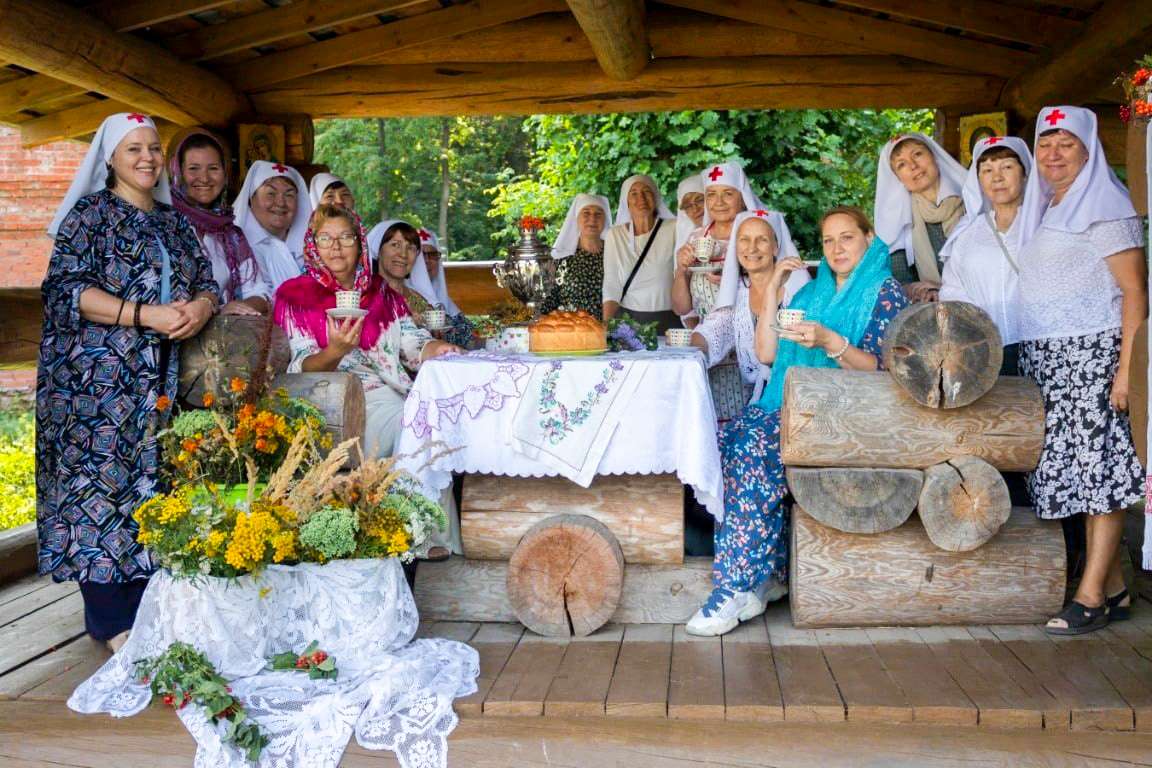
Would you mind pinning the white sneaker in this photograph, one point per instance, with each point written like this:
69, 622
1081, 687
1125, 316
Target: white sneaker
723, 610
770, 590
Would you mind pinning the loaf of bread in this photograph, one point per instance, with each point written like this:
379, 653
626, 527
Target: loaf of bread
567, 332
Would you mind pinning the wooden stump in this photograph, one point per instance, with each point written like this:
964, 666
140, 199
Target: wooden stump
249, 347
900, 578
834, 418
857, 500
338, 395
565, 576
963, 504
944, 354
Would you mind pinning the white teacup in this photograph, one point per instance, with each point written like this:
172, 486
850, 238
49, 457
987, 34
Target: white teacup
789, 317
705, 247
435, 318
678, 337
348, 299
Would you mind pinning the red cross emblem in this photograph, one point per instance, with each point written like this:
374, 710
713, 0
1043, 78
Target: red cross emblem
993, 140
137, 117
715, 173
424, 235
1055, 116
280, 168
761, 212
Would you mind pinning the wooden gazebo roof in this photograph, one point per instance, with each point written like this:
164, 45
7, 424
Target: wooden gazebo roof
64, 66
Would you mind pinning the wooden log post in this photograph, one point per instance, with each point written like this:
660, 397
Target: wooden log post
944, 354
340, 397
616, 30
834, 418
900, 578
857, 500
299, 140
565, 576
250, 347
963, 504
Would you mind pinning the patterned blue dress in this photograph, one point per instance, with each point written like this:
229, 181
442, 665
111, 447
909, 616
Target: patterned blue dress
97, 385
752, 540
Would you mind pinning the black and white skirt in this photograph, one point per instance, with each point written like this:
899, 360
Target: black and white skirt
1089, 463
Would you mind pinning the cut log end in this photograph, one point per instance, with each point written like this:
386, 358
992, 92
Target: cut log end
565, 576
963, 504
249, 347
857, 500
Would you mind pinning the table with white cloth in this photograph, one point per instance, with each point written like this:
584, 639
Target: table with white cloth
527, 415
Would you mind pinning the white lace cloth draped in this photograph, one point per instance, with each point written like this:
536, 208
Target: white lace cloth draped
392, 692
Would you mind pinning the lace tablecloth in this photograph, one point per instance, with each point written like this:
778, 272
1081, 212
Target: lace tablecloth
612, 414
392, 692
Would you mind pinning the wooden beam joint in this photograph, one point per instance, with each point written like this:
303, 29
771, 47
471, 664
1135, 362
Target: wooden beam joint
617, 32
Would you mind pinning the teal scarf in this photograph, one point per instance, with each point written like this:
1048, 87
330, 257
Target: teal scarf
846, 311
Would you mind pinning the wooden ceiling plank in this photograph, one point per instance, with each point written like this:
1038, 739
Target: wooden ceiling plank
617, 33
1109, 40
875, 34
69, 123
358, 46
984, 17
33, 90
126, 15
88, 54
276, 24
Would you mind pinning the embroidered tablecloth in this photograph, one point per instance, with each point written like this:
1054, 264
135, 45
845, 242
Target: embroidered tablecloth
575, 417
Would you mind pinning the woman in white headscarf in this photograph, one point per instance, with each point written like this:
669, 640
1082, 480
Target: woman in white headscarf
981, 258
579, 249
273, 210
918, 204
638, 256
744, 299
330, 189
689, 208
126, 282
430, 283
1083, 295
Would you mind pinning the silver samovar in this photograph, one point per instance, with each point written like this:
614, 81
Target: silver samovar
529, 271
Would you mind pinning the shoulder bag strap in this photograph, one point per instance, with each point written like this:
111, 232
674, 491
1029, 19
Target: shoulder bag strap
1000, 240
640, 261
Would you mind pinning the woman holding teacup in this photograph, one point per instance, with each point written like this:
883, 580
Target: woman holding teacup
429, 281
847, 309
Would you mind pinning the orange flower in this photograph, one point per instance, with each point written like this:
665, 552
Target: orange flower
190, 445
163, 403
209, 399
238, 385
247, 411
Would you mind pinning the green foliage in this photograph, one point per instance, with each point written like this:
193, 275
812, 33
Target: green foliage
331, 532
17, 468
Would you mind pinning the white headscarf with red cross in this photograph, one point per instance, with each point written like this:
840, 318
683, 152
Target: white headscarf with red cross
260, 172
92, 174
434, 290
730, 279
1095, 195
975, 201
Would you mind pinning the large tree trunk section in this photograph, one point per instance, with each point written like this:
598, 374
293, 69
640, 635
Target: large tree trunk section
339, 396
900, 578
944, 354
964, 503
834, 418
857, 500
644, 512
565, 576
249, 347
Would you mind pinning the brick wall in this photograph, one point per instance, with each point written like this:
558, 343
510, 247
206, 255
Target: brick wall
32, 183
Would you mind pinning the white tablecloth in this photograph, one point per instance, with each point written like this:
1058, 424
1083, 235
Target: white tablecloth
639, 412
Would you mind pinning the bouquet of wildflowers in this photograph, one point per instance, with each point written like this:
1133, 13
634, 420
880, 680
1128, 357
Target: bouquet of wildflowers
628, 335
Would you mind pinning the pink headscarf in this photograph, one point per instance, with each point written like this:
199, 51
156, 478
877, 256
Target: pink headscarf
304, 301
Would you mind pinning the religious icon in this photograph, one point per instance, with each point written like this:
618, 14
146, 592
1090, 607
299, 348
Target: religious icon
974, 128
259, 142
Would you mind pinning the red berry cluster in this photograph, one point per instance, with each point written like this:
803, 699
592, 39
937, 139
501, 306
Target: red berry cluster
1141, 76
171, 700
314, 660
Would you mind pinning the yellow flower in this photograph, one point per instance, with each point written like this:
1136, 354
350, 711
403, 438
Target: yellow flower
284, 546
192, 546
253, 533
214, 542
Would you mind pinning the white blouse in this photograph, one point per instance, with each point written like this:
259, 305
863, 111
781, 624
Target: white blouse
979, 273
252, 282
1066, 287
651, 290
278, 263
386, 364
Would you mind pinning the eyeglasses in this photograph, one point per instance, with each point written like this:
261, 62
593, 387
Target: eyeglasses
326, 241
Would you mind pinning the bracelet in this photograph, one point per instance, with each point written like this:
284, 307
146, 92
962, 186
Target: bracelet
210, 302
840, 354
136, 316
121, 310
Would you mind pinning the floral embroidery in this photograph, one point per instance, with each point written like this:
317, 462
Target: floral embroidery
424, 417
557, 420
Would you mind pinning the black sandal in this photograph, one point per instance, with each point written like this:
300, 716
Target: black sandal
1079, 618
1117, 612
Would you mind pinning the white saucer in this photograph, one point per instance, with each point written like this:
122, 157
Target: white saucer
706, 268
339, 314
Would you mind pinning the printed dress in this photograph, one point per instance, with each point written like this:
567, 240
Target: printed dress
97, 385
752, 539
580, 284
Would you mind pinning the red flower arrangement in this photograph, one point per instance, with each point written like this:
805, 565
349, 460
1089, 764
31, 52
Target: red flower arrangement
531, 222
1137, 91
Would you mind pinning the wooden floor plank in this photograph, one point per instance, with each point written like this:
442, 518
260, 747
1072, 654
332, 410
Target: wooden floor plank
24, 586
751, 687
696, 683
1057, 711
1085, 662
807, 687
494, 643
75, 662
869, 693
460, 631
35, 600
1137, 639
640, 681
39, 632
1000, 700
521, 687
1129, 673
580, 687
933, 694
82, 651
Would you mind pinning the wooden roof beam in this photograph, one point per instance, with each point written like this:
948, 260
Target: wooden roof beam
984, 17
370, 43
879, 35
615, 28
86, 53
126, 15
33, 90
1109, 40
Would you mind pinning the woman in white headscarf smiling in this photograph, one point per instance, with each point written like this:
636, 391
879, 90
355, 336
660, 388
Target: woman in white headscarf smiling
689, 208
918, 204
1083, 295
330, 189
579, 249
273, 210
638, 256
